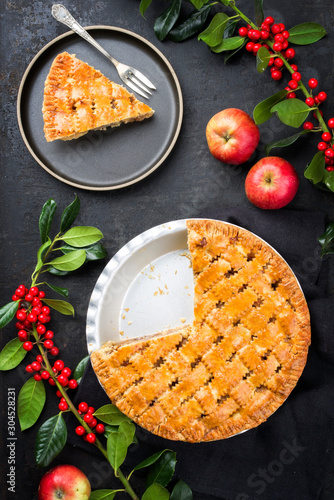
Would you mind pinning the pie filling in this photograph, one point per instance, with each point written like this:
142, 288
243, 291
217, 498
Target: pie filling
238, 361
78, 98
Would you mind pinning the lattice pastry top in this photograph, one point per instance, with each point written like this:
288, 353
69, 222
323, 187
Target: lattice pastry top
238, 361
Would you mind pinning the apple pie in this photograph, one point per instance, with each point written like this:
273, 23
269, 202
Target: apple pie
78, 98
235, 364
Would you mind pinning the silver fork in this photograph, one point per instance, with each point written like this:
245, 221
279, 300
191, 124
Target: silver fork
130, 76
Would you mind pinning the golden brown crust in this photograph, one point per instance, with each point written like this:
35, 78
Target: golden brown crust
78, 98
236, 364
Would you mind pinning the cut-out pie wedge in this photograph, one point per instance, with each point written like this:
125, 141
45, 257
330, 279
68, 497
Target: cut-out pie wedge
238, 361
78, 98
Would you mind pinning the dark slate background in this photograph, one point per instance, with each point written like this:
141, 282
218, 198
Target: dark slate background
188, 182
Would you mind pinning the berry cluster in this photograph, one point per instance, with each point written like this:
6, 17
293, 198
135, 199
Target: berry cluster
274, 37
90, 420
32, 313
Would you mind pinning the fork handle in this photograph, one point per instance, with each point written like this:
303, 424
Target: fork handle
61, 14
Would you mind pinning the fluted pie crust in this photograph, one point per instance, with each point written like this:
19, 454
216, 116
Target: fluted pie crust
238, 361
78, 98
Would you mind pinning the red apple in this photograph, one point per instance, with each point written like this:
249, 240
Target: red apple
271, 183
232, 136
65, 482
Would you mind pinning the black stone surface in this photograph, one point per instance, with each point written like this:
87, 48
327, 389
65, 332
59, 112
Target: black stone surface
190, 182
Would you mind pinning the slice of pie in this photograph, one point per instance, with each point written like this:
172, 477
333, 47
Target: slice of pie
78, 98
238, 361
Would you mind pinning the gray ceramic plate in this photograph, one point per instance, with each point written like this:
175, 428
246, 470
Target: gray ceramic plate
119, 156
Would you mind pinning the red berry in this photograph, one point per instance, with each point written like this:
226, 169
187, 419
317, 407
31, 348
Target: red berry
36, 302
285, 34
41, 294
256, 47
28, 297
20, 293
34, 291
36, 366
48, 344
46, 310
290, 53
39, 358
93, 423
278, 62
49, 335
27, 346
331, 123
45, 375
309, 101
294, 67
59, 365
276, 28
91, 410
322, 146
37, 377
15, 297
29, 369
59, 394
296, 76
293, 84
40, 329
313, 83
66, 372
329, 153
88, 418
73, 384
329, 161
285, 45
254, 34
291, 95
250, 46
282, 26
243, 31
269, 20
21, 315
277, 46
22, 335
326, 136
322, 96
63, 380
63, 406
99, 428
91, 438
51, 381
54, 351
276, 74
36, 310
265, 35
32, 318
43, 318
83, 407
80, 430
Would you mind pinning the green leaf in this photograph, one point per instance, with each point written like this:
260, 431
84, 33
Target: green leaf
41, 254
12, 355
327, 240
315, 171
181, 491
259, 16
50, 440
82, 236
306, 33
231, 53
110, 414
70, 214
165, 22
69, 262
150, 460
329, 180
225, 2
61, 306
198, 4
7, 312
292, 112
229, 44
45, 219
262, 111
103, 494
93, 252
144, 4
192, 25
213, 34
30, 403
80, 369
262, 59
285, 142
162, 469
57, 289
128, 429
155, 492
116, 449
